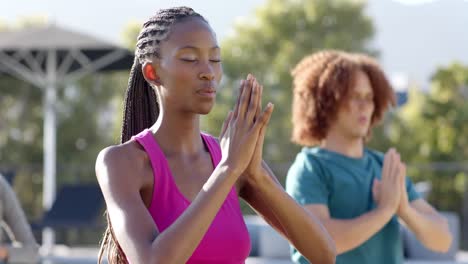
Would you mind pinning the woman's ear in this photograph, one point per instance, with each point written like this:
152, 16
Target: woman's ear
150, 74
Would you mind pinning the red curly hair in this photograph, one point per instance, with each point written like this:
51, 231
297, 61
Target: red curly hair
322, 82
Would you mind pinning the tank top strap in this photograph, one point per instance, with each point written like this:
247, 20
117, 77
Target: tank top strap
162, 182
215, 149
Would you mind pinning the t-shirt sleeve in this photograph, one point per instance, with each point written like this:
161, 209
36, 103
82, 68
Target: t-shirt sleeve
306, 182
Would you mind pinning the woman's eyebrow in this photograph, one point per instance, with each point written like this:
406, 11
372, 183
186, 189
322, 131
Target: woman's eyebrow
196, 48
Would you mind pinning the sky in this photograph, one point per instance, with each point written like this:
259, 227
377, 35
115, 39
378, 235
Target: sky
414, 40
107, 19
413, 36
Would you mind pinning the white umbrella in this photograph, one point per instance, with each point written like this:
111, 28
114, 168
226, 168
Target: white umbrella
48, 56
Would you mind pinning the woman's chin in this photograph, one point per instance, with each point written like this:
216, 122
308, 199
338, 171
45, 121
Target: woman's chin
204, 111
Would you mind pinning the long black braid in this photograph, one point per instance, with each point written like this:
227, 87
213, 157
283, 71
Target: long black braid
141, 107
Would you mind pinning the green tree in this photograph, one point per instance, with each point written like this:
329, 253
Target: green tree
269, 43
130, 33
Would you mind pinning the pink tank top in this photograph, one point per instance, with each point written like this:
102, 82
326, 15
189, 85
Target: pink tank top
227, 240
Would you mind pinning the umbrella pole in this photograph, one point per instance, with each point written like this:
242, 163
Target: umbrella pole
50, 138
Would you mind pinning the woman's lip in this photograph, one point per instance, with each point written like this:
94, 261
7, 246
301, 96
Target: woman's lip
207, 92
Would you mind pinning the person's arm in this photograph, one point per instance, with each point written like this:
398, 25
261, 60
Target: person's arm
24, 248
424, 221
300, 227
351, 233
429, 226
133, 226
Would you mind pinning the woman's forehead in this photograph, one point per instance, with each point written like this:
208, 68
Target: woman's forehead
193, 32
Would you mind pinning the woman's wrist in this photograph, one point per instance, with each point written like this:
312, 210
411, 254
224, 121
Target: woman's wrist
261, 179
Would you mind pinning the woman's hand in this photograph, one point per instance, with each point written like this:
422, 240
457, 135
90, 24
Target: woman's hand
243, 128
254, 172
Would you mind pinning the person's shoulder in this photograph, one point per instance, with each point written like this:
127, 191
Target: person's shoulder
307, 169
309, 152
375, 155
312, 156
120, 160
307, 160
374, 152
127, 152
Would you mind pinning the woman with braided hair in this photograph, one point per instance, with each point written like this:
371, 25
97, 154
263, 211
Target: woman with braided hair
172, 191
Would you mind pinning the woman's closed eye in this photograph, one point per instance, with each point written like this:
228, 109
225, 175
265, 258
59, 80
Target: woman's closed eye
196, 60
189, 59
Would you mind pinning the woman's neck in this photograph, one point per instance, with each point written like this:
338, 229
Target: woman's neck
178, 134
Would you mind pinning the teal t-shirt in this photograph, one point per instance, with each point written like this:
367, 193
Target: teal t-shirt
344, 185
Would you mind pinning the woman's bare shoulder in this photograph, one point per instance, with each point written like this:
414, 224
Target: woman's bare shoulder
121, 161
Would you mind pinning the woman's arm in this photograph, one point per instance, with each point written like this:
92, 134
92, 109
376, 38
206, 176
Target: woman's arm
24, 248
134, 227
300, 227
